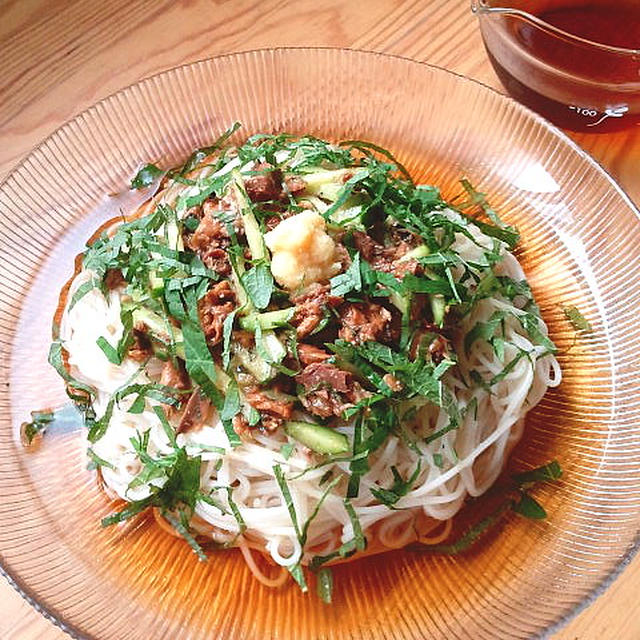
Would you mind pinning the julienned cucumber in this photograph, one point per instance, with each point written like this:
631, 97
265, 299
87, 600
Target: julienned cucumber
318, 438
172, 236
267, 320
254, 236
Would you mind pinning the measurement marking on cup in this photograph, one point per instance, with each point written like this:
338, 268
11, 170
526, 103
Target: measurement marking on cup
609, 112
584, 111
612, 112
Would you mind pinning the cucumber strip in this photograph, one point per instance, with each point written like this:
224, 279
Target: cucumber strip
156, 284
318, 438
158, 328
244, 303
259, 364
326, 184
174, 237
400, 302
268, 320
420, 251
438, 308
156, 325
273, 347
261, 370
254, 236
171, 233
347, 214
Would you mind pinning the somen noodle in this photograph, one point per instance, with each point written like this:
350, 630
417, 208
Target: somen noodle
294, 350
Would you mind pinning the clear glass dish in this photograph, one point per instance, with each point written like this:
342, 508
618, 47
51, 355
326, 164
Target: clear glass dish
576, 82
581, 246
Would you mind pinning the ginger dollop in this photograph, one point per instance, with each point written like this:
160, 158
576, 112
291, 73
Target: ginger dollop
302, 251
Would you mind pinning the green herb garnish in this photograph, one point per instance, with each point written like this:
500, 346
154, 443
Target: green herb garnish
577, 320
146, 176
40, 420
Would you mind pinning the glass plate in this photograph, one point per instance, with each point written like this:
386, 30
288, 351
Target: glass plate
581, 246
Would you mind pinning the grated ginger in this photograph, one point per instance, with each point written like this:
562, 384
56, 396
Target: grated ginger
302, 251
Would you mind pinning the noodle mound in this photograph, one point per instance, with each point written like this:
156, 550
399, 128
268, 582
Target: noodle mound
291, 348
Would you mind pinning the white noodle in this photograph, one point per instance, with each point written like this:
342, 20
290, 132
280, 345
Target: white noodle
473, 455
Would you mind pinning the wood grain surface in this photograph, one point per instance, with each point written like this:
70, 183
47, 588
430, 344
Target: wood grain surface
61, 56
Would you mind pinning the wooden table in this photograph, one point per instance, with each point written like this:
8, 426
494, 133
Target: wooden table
60, 56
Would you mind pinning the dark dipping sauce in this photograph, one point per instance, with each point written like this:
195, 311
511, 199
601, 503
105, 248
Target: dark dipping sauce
613, 24
596, 109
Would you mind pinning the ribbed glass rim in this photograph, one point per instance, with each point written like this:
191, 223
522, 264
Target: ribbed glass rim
626, 559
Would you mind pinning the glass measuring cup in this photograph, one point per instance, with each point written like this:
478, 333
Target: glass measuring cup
545, 61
